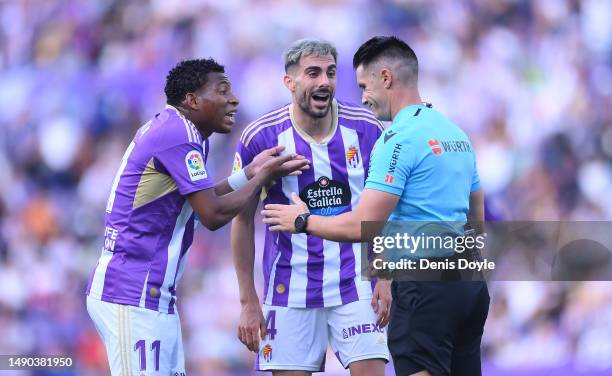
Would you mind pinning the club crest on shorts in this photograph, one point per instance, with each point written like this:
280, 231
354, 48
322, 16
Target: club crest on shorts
195, 165
267, 353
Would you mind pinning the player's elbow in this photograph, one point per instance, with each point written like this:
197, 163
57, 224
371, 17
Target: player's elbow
215, 226
212, 223
208, 208
211, 218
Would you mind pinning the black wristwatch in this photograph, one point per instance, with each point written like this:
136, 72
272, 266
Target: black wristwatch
301, 221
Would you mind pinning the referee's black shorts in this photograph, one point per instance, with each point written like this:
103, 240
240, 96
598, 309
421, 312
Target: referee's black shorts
437, 326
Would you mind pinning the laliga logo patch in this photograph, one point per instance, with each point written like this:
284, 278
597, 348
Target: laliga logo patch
267, 352
237, 163
352, 157
435, 146
195, 165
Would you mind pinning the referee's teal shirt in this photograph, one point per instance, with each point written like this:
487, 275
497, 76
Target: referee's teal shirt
429, 162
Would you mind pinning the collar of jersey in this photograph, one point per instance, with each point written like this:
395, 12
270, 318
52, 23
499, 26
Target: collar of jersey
178, 113
408, 111
309, 138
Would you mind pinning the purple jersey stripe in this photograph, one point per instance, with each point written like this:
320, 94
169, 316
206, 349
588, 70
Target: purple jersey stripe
348, 290
187, 240
156, 276
269, 255
159, 265
280, 296
366, 146
275, 195
314, 271
315, 263
337, 158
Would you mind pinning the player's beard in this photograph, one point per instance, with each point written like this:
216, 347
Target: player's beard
313, 112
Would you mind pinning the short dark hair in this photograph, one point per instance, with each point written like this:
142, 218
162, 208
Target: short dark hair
187, 77
386, 47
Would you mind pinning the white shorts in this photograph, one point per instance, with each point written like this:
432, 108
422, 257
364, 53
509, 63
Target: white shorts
297, 338
138, 341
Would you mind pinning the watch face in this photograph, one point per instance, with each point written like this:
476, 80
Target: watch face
299, 223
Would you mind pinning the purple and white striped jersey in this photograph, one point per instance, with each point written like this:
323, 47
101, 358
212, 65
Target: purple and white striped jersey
149, 223
303, 270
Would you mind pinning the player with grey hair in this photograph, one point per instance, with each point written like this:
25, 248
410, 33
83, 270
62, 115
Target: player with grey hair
436, 326
307, 47
313, 291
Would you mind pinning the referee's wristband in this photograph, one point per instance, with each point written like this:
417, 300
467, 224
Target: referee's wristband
237, 180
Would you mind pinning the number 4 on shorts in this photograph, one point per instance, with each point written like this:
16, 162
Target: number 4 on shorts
271, 324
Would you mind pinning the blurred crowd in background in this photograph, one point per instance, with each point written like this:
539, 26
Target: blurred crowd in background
529, 81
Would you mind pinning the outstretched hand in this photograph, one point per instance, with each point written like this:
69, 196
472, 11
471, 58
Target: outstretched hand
292, 164
282, 217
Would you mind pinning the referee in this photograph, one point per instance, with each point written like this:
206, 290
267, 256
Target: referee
423, 168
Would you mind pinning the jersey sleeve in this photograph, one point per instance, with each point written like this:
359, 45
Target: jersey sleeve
246, 153
185, 164
371, 136
243, 157
390, 164
475, 178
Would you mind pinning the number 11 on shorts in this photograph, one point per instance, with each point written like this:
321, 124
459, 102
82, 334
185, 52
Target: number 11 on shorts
142, 348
